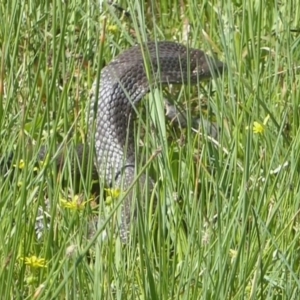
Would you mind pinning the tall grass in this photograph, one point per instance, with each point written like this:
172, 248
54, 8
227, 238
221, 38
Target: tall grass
223, 221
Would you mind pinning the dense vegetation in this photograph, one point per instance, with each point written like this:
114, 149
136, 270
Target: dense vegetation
226, 224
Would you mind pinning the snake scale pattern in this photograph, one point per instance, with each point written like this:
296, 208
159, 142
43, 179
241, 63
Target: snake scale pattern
123, 83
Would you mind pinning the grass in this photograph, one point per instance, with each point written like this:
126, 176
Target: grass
226, 224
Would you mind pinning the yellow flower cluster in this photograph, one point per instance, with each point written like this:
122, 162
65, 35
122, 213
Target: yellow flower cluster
34, 262
259, 128
75, 204
112, 194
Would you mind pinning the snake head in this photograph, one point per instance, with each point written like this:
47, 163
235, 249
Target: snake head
204, 66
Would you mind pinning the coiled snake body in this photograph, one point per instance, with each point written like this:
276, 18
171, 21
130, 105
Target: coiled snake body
122, 84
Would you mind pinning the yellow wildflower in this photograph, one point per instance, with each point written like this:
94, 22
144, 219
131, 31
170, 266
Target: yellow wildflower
74, 204
112, 28
259, 128
35, 262
20, 165
112, 194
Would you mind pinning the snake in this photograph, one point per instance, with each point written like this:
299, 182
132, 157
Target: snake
115, 96
111, 112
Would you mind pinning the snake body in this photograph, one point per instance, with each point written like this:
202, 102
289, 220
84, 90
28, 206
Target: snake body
123, 83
